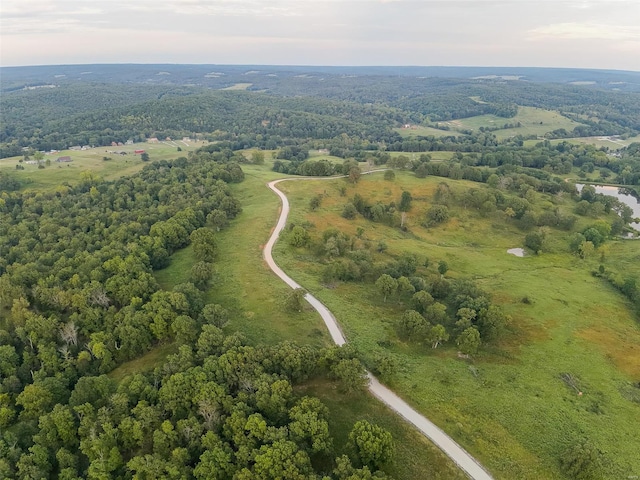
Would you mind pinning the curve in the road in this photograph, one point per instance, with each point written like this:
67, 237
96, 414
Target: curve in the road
454, 451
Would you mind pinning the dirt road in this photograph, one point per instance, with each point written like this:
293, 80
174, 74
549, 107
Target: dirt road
454, 451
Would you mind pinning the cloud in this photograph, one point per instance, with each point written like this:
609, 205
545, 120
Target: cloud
585, 31
492, 32
47, 16
217, 7
10, 9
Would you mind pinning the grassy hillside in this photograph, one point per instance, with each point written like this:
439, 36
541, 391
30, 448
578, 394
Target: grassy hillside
422, 131
612, 143
92, 161
508, 405
534, 121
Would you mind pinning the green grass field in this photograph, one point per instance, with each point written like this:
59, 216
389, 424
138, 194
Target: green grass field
534, 121
608, 142
319, 155
511, 409
34, 178
435, 156
145, 363
238, 86
422, 131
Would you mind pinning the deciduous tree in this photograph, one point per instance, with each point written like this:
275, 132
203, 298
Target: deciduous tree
469, 341
351, 374
294, 301
387, 285
371, 444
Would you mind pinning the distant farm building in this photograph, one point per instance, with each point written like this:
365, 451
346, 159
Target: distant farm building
64, 159
153, 140
138, 152
114, 144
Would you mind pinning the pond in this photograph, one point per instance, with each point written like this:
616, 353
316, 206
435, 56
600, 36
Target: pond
621, 195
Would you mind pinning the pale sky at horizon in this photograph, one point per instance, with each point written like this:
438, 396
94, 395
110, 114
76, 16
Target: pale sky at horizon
538, 33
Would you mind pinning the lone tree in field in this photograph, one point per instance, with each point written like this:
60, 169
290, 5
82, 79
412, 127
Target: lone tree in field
582, 461
405, 202
354, 174
299, 237
387, 285
405, 205
535, 241
315, 202
436, 214
295, 300
443, 267
257, 157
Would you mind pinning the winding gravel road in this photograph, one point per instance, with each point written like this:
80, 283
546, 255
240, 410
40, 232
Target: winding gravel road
454, 451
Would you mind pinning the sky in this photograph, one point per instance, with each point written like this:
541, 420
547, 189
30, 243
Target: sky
540, 33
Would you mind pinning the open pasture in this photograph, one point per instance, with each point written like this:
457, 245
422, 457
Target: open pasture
508, 405
533, 121
435, 156
92, 160
612, 143
238, 86
422, 131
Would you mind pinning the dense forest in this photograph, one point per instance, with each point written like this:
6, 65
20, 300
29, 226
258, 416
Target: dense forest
78, 298
286, 107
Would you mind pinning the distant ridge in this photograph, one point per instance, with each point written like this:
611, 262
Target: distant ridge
13, 78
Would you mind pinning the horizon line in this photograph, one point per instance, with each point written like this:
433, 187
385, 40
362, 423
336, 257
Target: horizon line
294, 65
